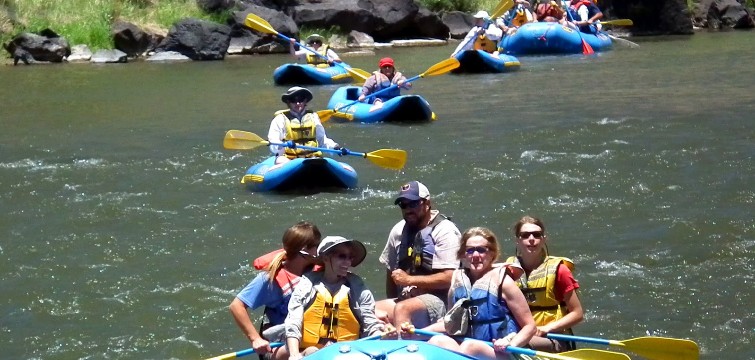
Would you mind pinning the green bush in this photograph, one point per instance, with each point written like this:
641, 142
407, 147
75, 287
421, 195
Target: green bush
469, 6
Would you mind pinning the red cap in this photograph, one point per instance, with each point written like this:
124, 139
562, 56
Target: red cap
386, 62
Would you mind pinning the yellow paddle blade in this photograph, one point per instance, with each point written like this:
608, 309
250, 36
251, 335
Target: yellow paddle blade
659, 348
325, 115
358, 74
388, 158
441, 67
502, 7
242, 140
257, 23
591, 354
618, 22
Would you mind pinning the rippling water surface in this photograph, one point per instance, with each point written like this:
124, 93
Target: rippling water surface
126, 233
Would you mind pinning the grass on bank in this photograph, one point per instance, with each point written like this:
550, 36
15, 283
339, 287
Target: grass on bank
89, 21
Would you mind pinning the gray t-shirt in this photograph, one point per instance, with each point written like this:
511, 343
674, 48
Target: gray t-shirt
445, 237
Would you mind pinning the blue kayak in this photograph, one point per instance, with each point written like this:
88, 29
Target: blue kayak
300, 173
479, 61
388, 350
303, 74
403, 108
551, 38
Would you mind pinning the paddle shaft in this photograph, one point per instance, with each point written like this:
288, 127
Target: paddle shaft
376, 93
333, 151
242, 352
562, 337
511, 349
586, 48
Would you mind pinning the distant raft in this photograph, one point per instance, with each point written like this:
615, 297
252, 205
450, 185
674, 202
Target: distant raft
479, 61
403, 108
303, 74
551, 38
300, 174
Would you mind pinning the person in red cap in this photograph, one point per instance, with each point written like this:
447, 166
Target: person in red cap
384, 78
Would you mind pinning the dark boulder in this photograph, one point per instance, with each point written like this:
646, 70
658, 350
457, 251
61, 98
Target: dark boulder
459, 23
651, 17
132, 40
260, 42
381, 19
48, 46
216, 6
722, 14
197, 39
427, 24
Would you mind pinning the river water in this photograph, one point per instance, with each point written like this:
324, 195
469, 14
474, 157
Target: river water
125, 232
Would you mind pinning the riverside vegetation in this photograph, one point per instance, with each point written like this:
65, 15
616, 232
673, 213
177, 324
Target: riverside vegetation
89, 21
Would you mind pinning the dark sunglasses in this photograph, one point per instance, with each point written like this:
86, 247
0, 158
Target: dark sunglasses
298, 100
527, 234
480, 249
344, 256
409, 204
318, 42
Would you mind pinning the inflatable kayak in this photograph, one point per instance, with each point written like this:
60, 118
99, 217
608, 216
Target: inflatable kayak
479, 61
389, 350
551, 38
403, 108
301, 173
303, 74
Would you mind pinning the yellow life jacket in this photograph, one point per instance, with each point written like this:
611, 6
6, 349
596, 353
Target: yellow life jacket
329, 318
301, 132
318, 61
538, 288
520, 18
483, 43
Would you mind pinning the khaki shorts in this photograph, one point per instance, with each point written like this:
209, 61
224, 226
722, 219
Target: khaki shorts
436, 307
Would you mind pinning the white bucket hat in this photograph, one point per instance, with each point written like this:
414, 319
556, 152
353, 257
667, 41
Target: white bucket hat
330, 242
482, 14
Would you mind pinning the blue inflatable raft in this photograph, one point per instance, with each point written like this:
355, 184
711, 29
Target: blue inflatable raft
479, 61
303, 74
403, 108
551, 38
301, 173
389, 350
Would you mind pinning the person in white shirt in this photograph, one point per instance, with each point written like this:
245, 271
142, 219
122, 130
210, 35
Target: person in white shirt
325, 55
483, 36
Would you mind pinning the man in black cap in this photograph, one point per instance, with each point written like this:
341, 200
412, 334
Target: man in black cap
298, 126
420, 257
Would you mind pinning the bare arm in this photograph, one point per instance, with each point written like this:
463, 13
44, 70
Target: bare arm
390, 286
438, 280
520, 310
240, 315
574, 317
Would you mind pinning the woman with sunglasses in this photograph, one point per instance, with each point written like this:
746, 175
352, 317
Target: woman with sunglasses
273, 288
326, 55
332, 304
496, 310
548, 285
298, 126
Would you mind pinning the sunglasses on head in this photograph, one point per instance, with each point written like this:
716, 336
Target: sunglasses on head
306, 254
527, 234
480, 249
409, 204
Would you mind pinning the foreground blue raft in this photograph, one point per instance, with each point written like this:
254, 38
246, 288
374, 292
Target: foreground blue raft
551, 38
299, 174
403, 108
479, 61
303, 74
388, 350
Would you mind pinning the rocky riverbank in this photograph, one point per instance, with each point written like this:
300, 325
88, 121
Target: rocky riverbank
368, 22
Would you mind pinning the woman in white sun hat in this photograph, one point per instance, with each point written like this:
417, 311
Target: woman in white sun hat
326, 55
331, 304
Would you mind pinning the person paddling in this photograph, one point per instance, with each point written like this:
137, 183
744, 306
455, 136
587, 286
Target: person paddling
298, 126
332, 304
385, 77
484, 35
547, 284
273, 288
327, 56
